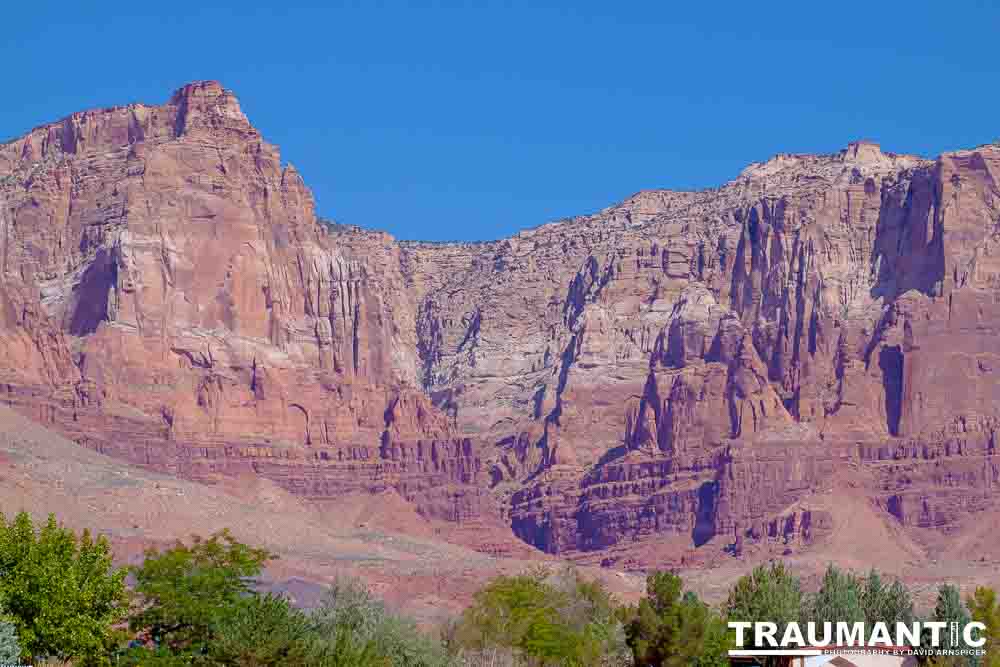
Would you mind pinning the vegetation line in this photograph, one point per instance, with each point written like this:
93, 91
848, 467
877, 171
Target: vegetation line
63, 602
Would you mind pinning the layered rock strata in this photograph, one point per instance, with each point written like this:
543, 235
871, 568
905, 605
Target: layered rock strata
169, 298
681, 364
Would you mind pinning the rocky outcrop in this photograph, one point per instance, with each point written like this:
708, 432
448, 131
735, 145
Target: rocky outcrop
784, 311
686, 364
171, 299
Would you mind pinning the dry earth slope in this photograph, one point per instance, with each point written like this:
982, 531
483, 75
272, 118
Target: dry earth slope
138, 508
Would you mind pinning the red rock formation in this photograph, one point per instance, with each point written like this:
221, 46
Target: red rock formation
687, 364
213, 324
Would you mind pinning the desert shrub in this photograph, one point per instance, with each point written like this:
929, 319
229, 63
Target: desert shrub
10, 648
351, 617
61, 592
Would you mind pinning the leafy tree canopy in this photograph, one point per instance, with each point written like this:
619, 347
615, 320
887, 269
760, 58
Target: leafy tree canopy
188, 589
544, 620
62, 594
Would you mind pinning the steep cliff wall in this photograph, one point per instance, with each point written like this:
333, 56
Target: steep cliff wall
172, 300
638, 367
690, 364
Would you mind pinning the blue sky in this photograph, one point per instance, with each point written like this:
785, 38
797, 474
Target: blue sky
472, 121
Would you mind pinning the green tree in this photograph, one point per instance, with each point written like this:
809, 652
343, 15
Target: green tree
669, 629
10, 649
187, 591
511, 612
538, 619
587, 608
768, 594
264, 630
949, 606
267, 630
886, 604
255, 630
62, 593
983, 607
838, 599
949, 609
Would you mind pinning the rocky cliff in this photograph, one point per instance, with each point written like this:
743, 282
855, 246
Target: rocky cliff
687, 364
171, 299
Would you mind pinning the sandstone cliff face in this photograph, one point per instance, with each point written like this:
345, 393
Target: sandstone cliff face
172, 300
695, 363
687, 364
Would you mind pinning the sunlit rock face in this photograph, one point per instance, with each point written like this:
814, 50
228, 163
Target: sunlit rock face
169, 297
682, 363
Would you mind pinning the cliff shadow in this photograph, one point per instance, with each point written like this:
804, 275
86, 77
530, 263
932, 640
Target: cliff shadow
908, 251
92, 294
890, 360
704, 523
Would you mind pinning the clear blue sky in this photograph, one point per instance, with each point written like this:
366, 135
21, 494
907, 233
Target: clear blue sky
443, 121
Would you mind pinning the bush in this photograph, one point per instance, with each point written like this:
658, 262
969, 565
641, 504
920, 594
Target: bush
351, 618
62, 594
10, 649
263, 630
985, 608
199, 607
535, 619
